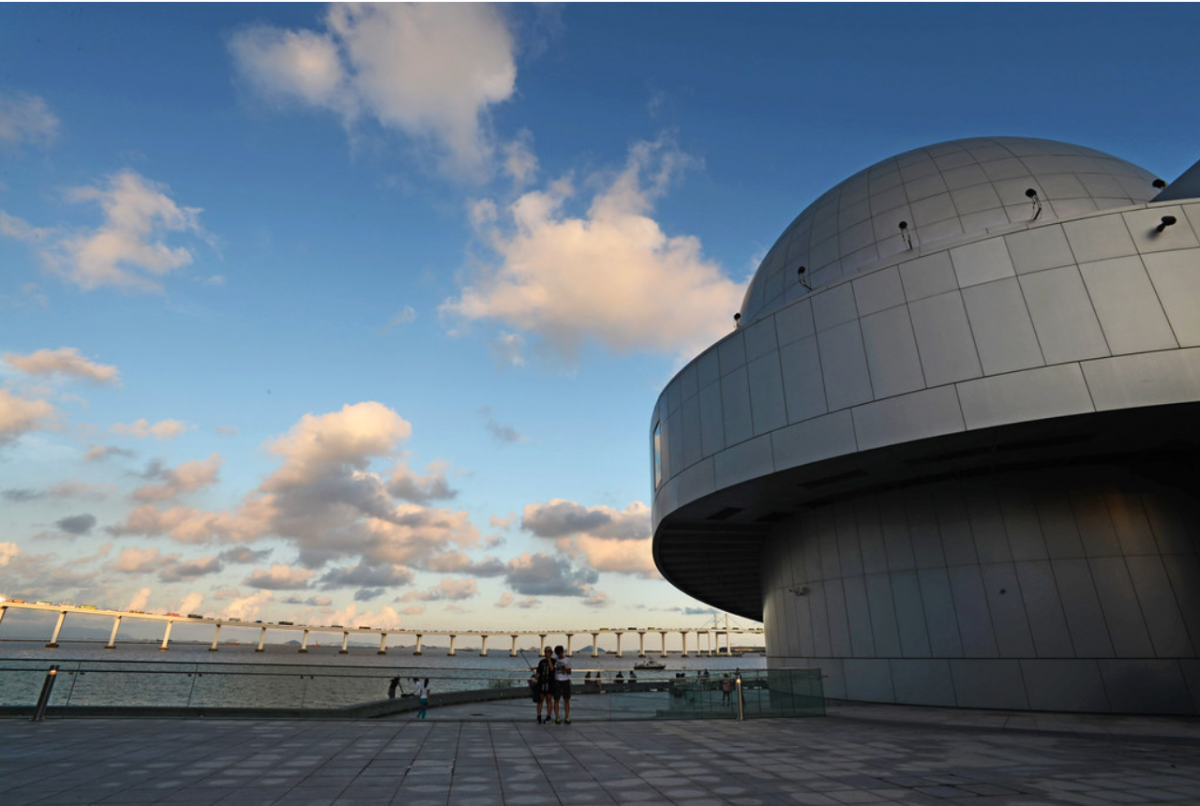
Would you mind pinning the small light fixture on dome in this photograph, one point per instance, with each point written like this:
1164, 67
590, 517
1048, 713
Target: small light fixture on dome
800, 272
737, 318
1032, 195
904, 234
1167, 221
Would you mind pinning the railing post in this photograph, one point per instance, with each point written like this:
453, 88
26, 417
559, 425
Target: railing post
39, 710
216, 637
304, 642
262, 638
112, 639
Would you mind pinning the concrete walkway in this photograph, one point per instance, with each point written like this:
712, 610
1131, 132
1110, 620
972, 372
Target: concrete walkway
856, 755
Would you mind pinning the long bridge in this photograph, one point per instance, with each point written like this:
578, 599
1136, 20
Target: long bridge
713, 633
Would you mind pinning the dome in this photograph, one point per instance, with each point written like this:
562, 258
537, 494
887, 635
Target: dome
939, 192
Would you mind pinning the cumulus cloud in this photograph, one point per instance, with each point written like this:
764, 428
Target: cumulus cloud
429, 71
366, 576
529, 603
19, 416
311, 601
610, 276
407, 485
242, 555
190, 569
129, 249
446, 590
350, 437
186, 478
140, 599
142, 428
98, 453
325, 500
26, 119
247, 608
76, 525
280, 577
227, 430
21, 230
540, 574
64, 361
190, 603
506, 599
143, 561
605, 538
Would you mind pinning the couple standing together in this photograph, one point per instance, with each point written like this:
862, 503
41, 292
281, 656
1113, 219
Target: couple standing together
554, 681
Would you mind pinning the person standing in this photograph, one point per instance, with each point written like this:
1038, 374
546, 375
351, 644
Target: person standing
545, 682
562, 684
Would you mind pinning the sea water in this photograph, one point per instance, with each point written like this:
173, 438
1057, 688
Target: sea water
190, 675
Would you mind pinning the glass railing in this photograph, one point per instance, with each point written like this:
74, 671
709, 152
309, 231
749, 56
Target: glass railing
82, 687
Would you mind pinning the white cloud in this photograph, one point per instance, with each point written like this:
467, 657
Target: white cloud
404, 316
519, 160
143, 561
98, 453
246, 608
446, 590
280, 577
140, 599
129, 249
26, 119
20, 416
350, 437
142, 428
506, 599
606, 539
611, 276
190, 603
408, 485
63, 361
431, 71
188, 477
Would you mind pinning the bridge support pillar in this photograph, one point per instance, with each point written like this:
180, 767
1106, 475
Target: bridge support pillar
3, 610
262, 640
569, 637
483, 646
513, 652
345, 640
663, 634
417, 651
112, 639
683, 635
304, 642
641, 644
382, 644
595, 645
619, 655
62, 616
541, 644
216, 635
710, 643
452, 637
167, 636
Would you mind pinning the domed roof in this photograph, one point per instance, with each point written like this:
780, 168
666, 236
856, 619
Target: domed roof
940, 192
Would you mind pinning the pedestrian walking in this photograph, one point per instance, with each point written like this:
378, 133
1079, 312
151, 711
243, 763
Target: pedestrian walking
422, 693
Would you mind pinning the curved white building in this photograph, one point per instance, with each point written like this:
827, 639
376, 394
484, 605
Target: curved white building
949, 454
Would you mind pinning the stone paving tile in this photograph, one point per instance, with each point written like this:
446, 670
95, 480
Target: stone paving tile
824, 762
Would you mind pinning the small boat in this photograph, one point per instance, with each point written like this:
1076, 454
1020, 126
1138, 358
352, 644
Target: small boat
649, 665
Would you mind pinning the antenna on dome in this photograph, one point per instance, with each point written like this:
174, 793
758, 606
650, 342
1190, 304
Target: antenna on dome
905, 234
800, 271
1032, 195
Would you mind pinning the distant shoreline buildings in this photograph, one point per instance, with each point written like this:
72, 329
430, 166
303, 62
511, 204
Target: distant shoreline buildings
948, 454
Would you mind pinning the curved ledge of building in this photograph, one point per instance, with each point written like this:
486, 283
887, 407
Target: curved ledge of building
961, 477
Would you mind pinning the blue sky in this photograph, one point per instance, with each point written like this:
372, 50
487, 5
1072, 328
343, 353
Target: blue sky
358, 314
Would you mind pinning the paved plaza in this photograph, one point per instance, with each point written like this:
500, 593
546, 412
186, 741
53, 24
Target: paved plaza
464, 755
